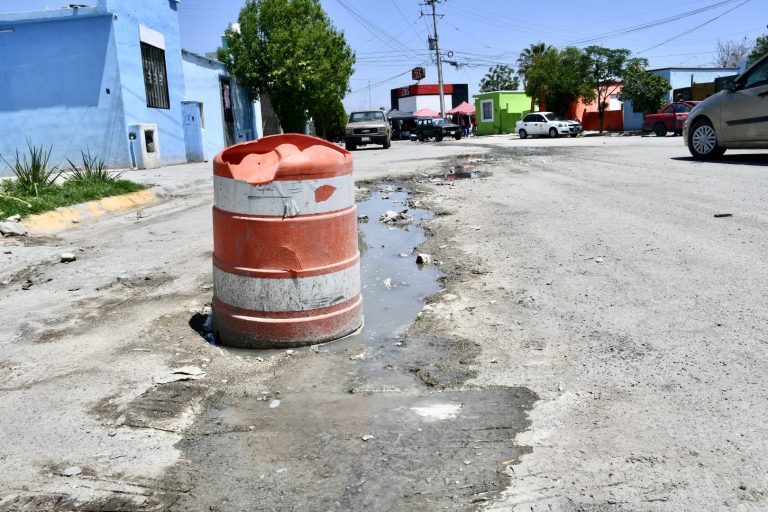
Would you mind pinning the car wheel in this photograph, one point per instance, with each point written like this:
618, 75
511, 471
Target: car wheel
350, 146
553, 133
438, 137
421, 138
457, 136
574, 135
660, 130
387, 143
523, 134
702, 141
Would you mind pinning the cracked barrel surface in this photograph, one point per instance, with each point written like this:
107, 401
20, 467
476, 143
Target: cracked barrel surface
286, 266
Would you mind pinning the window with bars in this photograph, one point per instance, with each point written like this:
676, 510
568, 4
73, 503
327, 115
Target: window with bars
155, 76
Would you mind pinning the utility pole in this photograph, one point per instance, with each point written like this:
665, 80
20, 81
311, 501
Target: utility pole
439, 61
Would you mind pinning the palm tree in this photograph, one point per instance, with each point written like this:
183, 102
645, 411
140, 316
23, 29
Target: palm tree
527, 57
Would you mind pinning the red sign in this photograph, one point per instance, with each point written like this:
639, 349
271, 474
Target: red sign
418, 73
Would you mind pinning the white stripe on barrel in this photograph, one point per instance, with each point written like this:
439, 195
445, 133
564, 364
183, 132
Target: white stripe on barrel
284, 198
298, 294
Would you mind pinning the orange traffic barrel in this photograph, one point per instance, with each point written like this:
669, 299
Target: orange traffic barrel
286, 266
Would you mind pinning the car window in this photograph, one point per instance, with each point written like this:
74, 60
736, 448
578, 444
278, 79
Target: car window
529, 118
555, 117
668, 109
758, 76
357, 117
538, 118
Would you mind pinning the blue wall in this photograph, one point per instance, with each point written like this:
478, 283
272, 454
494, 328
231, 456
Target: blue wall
55, 74
160, 16
201, 77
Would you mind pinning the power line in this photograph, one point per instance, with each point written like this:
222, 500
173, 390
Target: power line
694, 28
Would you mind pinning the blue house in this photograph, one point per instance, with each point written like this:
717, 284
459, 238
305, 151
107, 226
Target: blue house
113, 78
678, 78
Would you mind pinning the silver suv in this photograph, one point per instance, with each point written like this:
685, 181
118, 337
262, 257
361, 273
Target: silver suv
734, 118
367, 127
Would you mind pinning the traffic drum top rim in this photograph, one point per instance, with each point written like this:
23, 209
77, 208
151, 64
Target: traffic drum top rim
282, 158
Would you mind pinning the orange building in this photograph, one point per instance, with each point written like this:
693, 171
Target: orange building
587, 113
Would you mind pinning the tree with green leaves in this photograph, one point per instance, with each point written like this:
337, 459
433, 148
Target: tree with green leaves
760, 48
290, 51
646, 91
606, 67
558, 77
499, 78
526, 60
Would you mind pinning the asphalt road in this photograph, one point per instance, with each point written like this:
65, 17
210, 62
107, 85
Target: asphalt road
600, 338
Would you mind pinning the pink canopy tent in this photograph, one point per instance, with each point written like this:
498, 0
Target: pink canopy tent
426, 112
463, 108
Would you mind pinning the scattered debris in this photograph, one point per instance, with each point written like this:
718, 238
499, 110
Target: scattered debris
477, 228
598, 260
367, 437
403, 255
274, 404
358, 357
72, 471
388, 283
27, 285
424, 259
362, 218
183, 373
67, 257
12, 229
721, 215
14, 218
122, 277
393, 217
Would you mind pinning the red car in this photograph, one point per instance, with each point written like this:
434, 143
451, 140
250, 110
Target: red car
670, 118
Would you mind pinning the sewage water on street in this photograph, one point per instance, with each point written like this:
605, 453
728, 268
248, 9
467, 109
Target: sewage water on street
355, 424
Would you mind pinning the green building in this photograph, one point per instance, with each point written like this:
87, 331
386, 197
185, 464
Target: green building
498, 111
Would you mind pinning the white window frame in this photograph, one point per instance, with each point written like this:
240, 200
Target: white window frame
482, 111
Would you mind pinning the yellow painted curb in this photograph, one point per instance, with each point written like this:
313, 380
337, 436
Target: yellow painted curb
67, 216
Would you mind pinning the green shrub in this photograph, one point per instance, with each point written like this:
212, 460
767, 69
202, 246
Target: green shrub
33, 174
93, 169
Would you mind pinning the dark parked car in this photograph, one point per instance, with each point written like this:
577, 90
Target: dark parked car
436, 128
670, 118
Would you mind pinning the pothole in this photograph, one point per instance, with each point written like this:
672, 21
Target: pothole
379, 420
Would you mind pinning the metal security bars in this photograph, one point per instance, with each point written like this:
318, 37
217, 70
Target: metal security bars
155, 76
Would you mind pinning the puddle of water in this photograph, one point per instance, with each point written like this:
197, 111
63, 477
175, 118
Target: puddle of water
393, 285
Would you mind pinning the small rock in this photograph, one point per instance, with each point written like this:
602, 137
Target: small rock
72, 471
388, 283
75, 221
358, 357
12, 229
392, 217
27, 285
403, 255
362, 218
68, 257
14, 218
274, 404
289, 352
424, 259
368, 437
125, 276
598, 260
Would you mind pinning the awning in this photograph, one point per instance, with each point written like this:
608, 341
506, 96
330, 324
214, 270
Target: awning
396, 114
426, 112
463, 108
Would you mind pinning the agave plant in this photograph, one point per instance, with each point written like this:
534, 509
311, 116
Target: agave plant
31, 171
92, 169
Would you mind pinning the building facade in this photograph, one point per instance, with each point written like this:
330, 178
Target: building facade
498, 111
411, 98
112, 79
679, 79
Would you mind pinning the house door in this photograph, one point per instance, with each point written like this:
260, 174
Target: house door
191, 112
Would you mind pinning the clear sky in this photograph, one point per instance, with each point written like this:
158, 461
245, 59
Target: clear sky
389, 37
